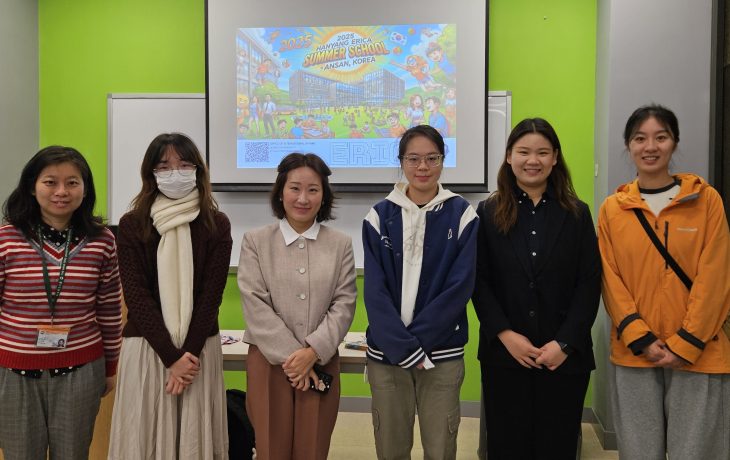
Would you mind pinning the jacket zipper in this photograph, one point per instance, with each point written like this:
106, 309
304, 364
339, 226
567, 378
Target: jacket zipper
666, 235
666, 241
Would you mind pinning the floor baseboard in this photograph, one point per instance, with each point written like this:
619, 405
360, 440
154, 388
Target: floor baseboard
607, 438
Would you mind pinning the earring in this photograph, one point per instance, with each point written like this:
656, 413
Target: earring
280, 199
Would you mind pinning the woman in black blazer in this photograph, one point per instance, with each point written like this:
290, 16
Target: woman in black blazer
536, 296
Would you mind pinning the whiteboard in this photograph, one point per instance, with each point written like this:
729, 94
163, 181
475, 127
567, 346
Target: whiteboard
135, 119
499, 116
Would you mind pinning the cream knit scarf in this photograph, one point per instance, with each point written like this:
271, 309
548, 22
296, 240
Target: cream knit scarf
172, 220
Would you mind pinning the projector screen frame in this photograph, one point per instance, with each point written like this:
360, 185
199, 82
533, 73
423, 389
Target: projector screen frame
478, 186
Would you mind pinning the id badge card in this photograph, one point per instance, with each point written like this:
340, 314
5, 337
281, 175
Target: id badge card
52, 337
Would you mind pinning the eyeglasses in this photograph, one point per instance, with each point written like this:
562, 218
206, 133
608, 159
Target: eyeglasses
414, 161
184, 170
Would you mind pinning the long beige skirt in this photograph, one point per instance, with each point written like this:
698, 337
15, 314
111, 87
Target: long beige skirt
148, 423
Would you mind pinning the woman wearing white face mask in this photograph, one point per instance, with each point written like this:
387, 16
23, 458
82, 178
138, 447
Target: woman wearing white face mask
175, 247
175, 183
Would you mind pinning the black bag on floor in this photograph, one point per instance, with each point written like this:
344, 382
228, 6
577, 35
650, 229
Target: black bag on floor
241, 439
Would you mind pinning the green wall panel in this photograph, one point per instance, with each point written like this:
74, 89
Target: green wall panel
545, 53
89, 48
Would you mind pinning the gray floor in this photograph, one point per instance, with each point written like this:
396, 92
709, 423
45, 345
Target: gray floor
353, 440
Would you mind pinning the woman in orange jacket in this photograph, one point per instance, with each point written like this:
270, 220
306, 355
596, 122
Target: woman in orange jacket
672, 382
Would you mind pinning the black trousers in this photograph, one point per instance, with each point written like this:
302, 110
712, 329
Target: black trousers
532, 414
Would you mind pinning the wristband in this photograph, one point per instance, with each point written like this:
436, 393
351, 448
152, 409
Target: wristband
565, 348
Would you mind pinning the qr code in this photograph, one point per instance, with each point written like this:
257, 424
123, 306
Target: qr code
257, 152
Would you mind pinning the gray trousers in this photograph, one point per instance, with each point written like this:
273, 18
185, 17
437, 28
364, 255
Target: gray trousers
398, 393
665, 413
50, 414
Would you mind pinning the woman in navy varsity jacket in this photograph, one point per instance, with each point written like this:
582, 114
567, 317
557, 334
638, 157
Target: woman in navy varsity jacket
420, 249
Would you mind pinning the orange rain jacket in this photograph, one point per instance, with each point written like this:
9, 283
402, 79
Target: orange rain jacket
642, 294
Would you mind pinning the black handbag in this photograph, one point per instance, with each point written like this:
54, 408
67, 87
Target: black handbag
241, 437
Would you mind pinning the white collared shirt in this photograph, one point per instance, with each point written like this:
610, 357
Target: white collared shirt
291, 235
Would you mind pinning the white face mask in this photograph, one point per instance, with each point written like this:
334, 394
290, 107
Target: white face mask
176, 185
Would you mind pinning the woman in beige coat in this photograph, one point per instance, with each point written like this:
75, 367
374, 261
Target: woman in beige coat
297, 281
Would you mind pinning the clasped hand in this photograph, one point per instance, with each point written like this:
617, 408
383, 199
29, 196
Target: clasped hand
182, 373
661, 356
529, 356
298, 368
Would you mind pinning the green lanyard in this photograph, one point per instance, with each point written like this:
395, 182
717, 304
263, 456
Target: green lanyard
53, 297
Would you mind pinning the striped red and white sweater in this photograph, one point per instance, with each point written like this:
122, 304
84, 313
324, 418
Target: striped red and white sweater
90, 302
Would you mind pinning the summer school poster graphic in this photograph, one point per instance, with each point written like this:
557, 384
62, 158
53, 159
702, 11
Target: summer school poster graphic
346, 93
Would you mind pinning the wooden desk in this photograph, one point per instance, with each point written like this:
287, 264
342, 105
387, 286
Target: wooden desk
235, 354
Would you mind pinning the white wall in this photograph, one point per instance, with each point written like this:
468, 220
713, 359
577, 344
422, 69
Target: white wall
18, 89
652, 51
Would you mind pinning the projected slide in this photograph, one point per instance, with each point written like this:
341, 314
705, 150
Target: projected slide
344, 92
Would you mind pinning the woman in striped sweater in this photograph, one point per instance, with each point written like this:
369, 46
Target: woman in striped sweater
60, 310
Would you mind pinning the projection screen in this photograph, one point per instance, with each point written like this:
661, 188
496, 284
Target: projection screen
344, 80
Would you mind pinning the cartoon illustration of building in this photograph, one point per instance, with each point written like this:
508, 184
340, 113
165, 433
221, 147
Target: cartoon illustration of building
311, 90
379, 88
383, 88
347, 94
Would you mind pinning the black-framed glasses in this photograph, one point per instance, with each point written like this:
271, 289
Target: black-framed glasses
185, 170
413, 161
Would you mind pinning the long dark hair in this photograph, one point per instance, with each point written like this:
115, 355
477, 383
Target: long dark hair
299, 160
505, 213
186, 149
22, 210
